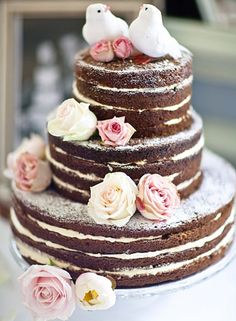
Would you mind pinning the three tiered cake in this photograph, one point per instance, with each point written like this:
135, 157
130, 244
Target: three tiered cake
150, 244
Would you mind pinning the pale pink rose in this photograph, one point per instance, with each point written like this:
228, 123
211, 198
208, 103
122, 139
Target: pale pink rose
102, 51
31, 173
157, 197
33, 145
48, 292
122, 47
115, 132
94, 292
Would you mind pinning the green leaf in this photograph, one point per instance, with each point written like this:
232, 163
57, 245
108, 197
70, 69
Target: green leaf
52, 263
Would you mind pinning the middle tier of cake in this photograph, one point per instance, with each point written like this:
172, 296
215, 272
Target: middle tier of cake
77, 165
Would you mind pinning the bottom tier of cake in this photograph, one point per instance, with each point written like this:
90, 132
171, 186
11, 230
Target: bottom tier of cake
49, 228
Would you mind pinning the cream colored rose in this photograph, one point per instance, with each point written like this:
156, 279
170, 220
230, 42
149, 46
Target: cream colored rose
73, 121
94, 292
112, 202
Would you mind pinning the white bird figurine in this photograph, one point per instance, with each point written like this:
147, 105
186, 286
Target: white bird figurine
150, 37
101, 24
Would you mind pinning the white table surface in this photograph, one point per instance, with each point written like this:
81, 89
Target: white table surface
212, 300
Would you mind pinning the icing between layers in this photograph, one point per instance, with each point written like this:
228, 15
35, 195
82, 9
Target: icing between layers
185, 154
43, 258
175, 121
176, 86
188, 182
80, 236
70, 187
191, 245
191, 151
91, 177
92, 102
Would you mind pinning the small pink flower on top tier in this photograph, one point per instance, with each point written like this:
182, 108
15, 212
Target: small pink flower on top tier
122, 47
157, 197
102, 51
31, 173
48, 292
115, 132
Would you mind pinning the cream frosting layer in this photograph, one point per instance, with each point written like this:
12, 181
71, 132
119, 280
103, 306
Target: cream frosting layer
191, 245
92, 102
188, 182
80, 236
68, 186
43, 258
185, 154
90, 177
191, 151
129, 165
23, 231
175, 121
71, 188
186, 82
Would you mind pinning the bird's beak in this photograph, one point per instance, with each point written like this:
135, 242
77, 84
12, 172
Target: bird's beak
107, 8
141, 7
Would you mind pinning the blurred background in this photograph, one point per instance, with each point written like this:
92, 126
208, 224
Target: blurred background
39, 40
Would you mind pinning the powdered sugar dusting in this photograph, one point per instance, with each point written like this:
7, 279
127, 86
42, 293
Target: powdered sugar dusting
217, 189
163, 64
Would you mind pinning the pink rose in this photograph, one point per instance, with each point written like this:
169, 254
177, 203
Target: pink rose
122, 47
31, 173
48, 292
115, 132
157, 196
102, 51
33, 145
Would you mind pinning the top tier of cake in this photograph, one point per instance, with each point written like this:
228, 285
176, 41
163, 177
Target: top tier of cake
154, 97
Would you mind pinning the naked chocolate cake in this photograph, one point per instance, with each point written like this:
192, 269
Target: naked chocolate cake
134, 195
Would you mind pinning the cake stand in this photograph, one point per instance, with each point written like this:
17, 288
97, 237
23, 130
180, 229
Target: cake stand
139, 304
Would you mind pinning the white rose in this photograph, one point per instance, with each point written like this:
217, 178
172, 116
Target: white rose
113, 201
94, 292
73, 121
